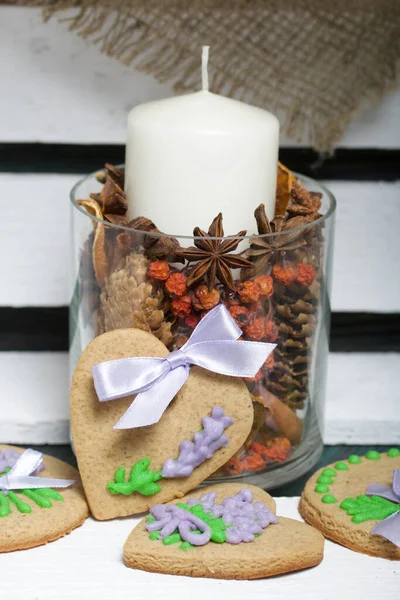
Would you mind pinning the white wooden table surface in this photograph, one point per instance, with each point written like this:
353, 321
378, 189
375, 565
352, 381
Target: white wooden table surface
88, 565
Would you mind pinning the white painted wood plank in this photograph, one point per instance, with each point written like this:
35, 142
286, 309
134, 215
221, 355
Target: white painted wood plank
362, 401
34, 400
363, 398
366, 274
88, 564
34, 239
61, 89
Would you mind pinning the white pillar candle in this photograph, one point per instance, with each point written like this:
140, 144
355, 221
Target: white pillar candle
190, 157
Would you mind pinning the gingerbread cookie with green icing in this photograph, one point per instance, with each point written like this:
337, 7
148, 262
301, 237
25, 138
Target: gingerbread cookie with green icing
126, 471
41, 499
223, 531
356, 502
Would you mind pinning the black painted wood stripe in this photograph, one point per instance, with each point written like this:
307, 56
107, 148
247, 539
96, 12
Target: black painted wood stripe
46, 329
34, 329
345, 164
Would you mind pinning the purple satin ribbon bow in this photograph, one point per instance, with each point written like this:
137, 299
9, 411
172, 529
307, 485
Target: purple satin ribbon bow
389, 527
20, 476
213, 345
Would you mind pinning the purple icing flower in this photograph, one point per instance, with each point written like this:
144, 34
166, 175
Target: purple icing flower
9, 457
245, 518
206, 500
206, 442
171, 518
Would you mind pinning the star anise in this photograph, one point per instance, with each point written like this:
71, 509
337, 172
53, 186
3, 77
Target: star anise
304, 203
264, 249
212, 256
112, 198
157, 247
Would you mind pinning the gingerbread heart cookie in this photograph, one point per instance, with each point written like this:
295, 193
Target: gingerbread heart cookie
223, 531
356, 502
125, 471
35, 515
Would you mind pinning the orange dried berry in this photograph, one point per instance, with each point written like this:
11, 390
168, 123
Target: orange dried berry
271, 331
256, 307
257, 448
176, 284
182, 307
255, 329
305, 274
248, 291
240, 313
233, 467
266, 284
232, 302
192, 320
159, 269
205, 299
253, 462
284, 274
278, 450
258, 376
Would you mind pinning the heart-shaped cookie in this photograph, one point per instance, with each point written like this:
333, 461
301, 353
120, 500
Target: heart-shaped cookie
104, 453
30, 518
282, 547
335, 502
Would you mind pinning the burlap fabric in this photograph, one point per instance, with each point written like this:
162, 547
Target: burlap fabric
314, 63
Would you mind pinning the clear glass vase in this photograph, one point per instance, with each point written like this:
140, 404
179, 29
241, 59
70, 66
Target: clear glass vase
125, 277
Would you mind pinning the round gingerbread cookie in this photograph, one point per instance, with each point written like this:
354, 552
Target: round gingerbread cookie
356, 502
37, 515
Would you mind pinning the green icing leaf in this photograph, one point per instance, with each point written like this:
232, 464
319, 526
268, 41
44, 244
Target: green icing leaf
186, 546
50, 493
393, 452
329, 499
341, 466
325, 479
373, 455
216, 525
369, 508
5, 508
174, 538
22, 506
150, 519
37, 498
119, 476
329, 472
141, 480
42, 497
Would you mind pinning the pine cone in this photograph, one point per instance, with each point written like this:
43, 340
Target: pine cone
295, 309
129, 299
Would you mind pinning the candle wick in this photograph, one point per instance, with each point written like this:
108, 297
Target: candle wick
204, 68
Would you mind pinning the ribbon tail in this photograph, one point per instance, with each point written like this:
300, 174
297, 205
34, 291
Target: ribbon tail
148, 406
30, 482
396, 483
27, 463
115, 379
227, 357
216, 325
389, 528
383, 491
